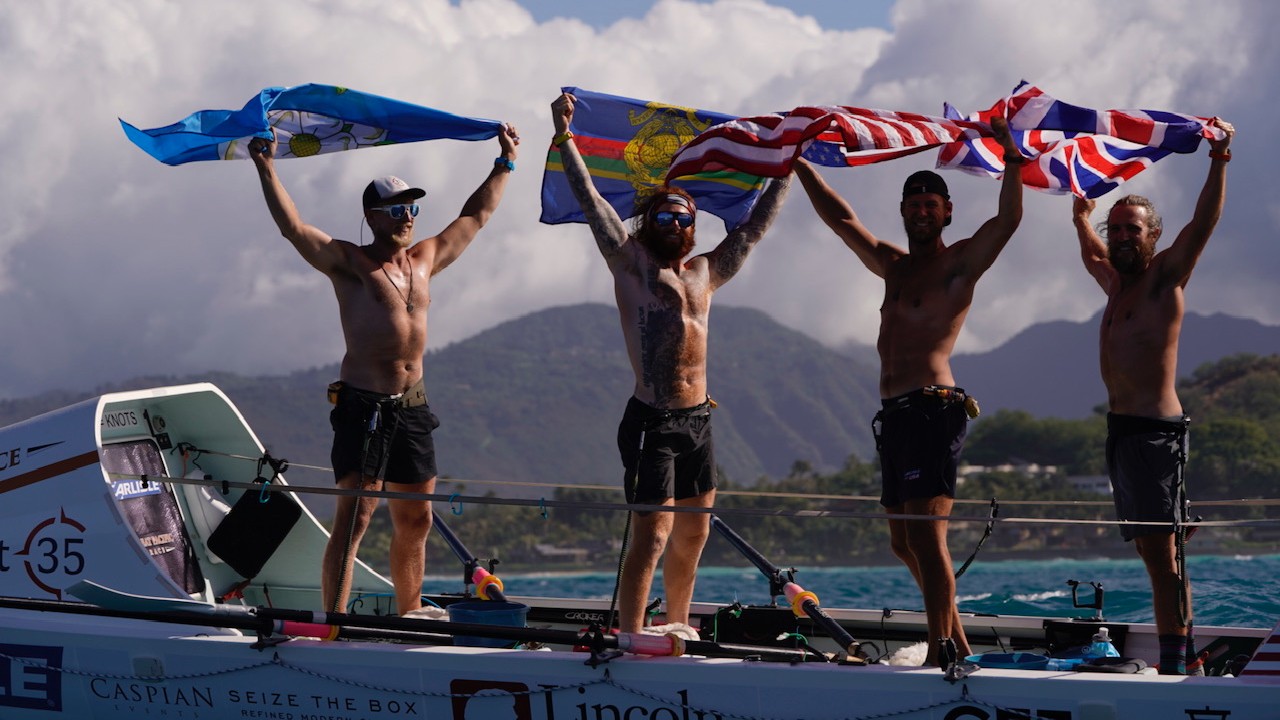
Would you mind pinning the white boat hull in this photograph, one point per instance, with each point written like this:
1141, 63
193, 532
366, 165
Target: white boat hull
65, 516
129, 670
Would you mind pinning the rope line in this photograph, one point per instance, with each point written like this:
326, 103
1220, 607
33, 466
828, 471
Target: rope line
540, 503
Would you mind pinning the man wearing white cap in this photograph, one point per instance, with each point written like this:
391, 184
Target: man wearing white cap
382, 424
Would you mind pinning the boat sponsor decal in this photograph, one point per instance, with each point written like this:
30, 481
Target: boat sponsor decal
483, 699
125, 489
188, 700
53, 469
589, 616
121, 420
11, 458
31, 677
52, 554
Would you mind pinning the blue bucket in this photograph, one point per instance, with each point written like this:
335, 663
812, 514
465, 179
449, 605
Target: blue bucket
487, 612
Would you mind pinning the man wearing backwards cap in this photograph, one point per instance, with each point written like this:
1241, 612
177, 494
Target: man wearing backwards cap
664, 301
382, 424
928, 290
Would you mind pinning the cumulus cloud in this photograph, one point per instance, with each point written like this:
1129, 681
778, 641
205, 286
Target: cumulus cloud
113, 265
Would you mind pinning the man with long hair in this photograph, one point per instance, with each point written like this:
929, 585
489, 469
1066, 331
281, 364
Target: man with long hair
664, 299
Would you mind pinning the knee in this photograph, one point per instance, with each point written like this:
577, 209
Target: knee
691, 534
412, 522
648, 544
900, 548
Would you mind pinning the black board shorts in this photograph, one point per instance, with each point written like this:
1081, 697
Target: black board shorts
678, 456
919, 440
398, 450
1145, 459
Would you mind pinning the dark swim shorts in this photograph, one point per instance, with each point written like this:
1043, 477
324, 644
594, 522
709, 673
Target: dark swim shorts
677, 459
920, 438
1145, 458
399, 446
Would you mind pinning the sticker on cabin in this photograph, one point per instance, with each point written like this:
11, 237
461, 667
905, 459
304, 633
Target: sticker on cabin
30, 677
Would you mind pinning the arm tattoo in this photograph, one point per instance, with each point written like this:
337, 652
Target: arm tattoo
606, 226
729, 257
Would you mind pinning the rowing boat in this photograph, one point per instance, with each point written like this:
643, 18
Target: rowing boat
155, 562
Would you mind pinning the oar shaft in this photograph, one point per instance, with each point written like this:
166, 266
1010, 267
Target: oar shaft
488, 585
808, 602
833, 628
750, 553
453, 541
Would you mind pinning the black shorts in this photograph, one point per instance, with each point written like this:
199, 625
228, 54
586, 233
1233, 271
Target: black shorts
398, 450
1145, 458
678, 457
919, 441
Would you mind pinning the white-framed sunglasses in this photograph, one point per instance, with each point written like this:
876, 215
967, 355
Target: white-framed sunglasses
398, 211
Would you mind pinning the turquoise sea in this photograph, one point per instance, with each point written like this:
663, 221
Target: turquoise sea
1228, 590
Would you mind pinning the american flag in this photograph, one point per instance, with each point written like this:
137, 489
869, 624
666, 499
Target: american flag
1075, 149
836, 136
1069, 148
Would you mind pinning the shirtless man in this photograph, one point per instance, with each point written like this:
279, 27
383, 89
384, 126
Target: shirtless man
928, 290
382, 424
1146, 430
665, 435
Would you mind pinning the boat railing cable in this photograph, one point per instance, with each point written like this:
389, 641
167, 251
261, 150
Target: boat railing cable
457, 500
1236, 502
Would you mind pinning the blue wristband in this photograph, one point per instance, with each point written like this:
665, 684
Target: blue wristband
502, 162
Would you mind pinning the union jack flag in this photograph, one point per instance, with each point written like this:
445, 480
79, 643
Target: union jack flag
1075, 149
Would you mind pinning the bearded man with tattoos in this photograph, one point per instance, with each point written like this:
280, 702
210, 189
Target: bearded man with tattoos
664, 299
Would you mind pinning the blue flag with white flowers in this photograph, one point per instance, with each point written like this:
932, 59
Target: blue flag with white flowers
308, 120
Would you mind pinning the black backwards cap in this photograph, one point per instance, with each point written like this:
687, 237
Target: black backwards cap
925, 181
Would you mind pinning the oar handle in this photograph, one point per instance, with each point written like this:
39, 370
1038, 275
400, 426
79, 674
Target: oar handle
488, 585
804, 603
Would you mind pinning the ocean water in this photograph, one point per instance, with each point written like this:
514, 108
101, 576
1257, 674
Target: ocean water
1227, 590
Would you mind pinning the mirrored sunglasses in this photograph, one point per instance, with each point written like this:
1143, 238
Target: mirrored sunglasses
397, 211
666, 218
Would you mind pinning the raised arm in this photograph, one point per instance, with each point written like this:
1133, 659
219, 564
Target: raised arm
609, 231
876, 254
727, 258
1180, 259
478, 208
314, 244
1093, 251
981, 250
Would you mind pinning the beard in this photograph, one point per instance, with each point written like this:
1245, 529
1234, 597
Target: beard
1130, 258
917, 234
667, 247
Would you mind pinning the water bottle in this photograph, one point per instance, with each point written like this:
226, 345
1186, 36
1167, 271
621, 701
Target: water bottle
1101, 645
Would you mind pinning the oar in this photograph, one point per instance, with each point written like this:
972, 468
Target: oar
106, 602
802, 601
488, 585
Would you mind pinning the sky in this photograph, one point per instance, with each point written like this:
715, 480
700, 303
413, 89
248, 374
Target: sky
113, 265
